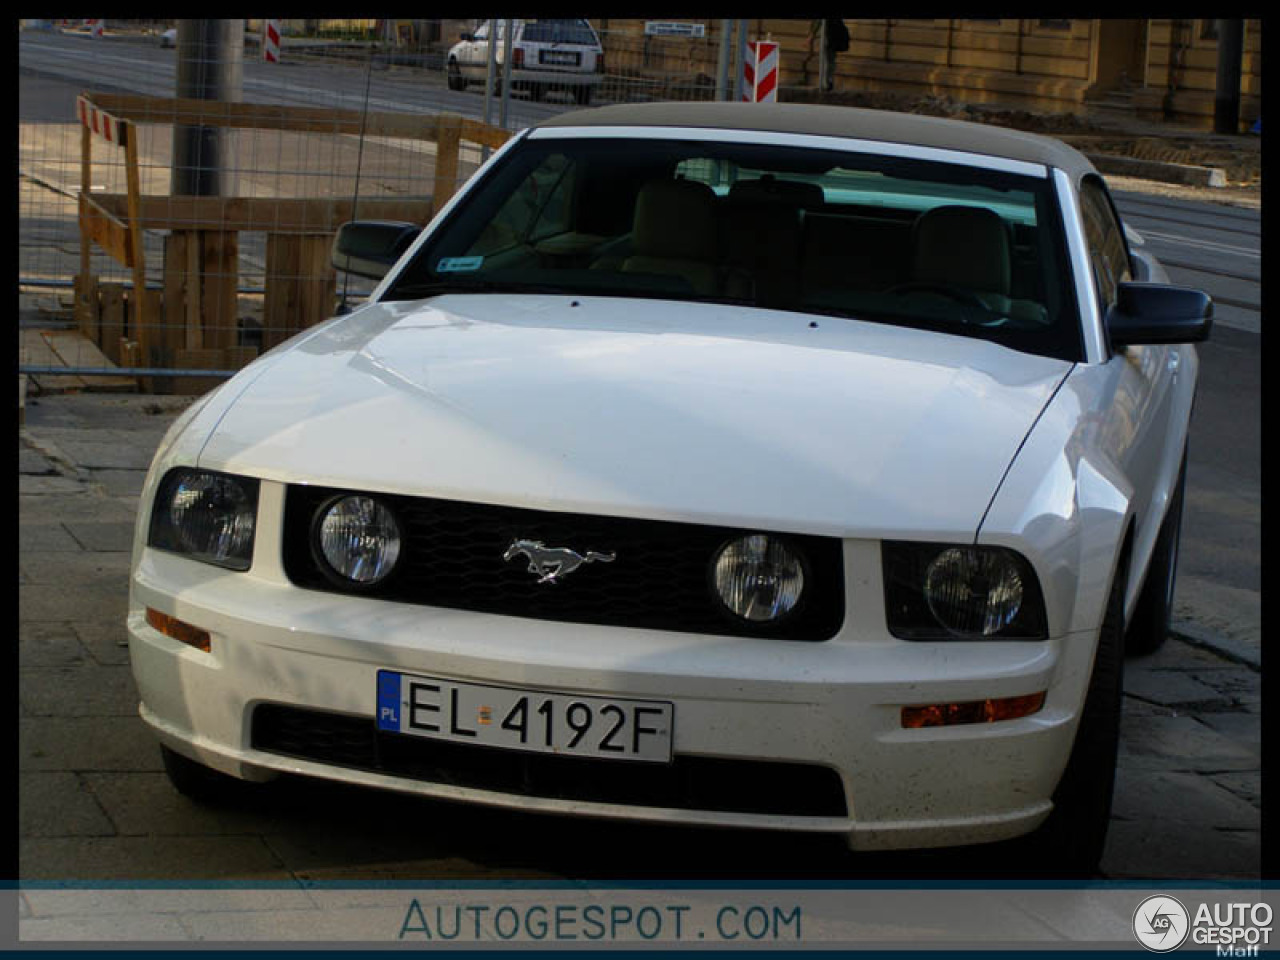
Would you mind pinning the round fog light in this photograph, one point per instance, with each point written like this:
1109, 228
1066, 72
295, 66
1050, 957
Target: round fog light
758, 578
359, 539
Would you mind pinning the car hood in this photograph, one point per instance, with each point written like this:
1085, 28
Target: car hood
645, 408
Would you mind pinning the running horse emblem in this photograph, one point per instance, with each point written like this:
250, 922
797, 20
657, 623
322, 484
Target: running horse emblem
552, 564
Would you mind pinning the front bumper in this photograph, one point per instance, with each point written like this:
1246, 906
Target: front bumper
832, 706
555, 77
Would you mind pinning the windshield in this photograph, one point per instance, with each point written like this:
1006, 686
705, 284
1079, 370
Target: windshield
558, 31
885, 239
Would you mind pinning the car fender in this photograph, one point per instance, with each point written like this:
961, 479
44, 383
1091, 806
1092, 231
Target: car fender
1066, 504
1182, 370
186, 437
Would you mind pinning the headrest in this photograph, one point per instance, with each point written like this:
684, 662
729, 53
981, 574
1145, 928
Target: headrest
769, 187
962, 245
675, 219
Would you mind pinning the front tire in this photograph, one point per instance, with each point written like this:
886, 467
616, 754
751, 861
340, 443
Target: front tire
1153, 612
202, 784
1070, 842
454, 76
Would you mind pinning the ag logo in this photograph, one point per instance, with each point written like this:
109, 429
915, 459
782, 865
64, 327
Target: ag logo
1161, 923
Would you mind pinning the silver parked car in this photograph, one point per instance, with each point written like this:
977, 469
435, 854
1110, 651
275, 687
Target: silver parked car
547, 54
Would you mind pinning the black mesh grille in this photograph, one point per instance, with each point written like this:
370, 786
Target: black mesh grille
452, 556
688, 783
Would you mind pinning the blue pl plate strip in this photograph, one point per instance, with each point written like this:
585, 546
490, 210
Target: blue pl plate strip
388, 701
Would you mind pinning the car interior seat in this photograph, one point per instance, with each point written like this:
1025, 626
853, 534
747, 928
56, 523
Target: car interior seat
675, 234
966, 247
969, 248
761, 231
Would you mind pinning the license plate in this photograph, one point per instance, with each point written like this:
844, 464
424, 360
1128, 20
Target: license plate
561, 56
530, 720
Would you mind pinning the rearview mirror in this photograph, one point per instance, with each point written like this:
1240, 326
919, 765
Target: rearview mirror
369, 248
1147, 313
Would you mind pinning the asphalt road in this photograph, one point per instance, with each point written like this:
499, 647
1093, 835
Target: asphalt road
313, 80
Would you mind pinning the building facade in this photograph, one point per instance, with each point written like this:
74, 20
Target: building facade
1159, 69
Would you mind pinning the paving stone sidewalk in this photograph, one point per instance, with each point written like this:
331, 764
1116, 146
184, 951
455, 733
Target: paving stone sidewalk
94, 803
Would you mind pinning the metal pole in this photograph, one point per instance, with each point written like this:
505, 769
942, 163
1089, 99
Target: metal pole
488, 83
1226, 98
722, 61
210, 67
506, 72
488, 73
740, 61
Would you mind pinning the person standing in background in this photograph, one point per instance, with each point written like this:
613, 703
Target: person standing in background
835, 39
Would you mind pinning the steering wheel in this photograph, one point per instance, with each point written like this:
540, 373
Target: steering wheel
961, 295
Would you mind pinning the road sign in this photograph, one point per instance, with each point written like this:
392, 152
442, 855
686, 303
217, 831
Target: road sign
271, 41
760, 72
669, 28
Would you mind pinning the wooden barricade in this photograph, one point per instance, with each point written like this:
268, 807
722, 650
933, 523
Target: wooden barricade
121, 238
191, 323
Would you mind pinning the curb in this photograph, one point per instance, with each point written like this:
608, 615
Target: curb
1178, 173
60, 462
1227, 647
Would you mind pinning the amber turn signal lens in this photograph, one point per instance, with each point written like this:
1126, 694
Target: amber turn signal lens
182, 632
973, 711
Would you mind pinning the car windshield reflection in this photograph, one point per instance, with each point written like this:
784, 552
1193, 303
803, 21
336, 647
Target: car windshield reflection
919, 243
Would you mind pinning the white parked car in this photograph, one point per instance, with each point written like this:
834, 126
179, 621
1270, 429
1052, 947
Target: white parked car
750, 465
546, 54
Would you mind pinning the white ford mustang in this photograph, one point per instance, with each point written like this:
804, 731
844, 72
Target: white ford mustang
749, 465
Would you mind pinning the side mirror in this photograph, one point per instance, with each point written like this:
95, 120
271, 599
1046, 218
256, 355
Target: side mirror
369, 248
1147, 313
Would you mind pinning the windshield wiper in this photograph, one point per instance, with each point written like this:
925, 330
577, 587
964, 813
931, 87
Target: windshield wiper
439, 287
432, 288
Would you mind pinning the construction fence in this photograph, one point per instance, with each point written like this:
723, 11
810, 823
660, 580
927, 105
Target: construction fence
166, 240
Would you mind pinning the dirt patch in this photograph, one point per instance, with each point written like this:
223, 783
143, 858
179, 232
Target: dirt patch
1239, 157
1242, 165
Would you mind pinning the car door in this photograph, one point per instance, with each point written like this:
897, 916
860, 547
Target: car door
1142, 375
475, 53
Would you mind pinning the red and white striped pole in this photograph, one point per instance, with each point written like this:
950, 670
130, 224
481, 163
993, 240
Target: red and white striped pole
96, 28
760, 72
271, 41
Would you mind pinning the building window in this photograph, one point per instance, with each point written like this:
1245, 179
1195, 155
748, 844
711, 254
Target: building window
1056, 24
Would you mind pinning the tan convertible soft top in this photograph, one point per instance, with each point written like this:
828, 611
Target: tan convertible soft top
829, 121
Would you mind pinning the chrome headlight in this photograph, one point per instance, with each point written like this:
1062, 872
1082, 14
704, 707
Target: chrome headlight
936, 591
207, 516
758, 578
358, 539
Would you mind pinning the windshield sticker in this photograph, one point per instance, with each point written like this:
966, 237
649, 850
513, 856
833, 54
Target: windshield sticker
458, 264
